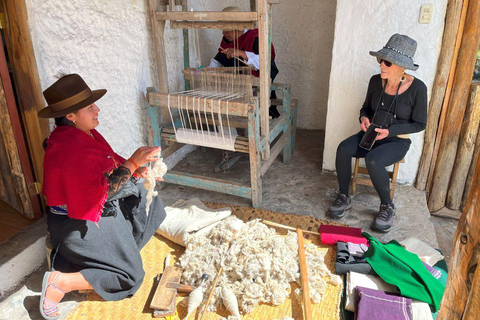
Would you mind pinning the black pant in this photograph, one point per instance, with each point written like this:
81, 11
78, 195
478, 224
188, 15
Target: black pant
384, 153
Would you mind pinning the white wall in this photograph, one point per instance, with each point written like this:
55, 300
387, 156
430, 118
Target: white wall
108, 43
303, 40
363, 26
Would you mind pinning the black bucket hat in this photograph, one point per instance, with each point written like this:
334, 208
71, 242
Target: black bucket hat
399, 50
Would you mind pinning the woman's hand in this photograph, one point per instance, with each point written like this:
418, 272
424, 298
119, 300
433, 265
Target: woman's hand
144, 154
232, 52
364, 124
382, 133
142, 172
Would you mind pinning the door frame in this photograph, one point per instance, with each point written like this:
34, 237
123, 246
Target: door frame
28, 89
26, 193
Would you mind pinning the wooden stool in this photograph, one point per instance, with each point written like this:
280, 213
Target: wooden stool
367, 182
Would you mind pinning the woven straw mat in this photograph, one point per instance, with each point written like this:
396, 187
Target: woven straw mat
153, 254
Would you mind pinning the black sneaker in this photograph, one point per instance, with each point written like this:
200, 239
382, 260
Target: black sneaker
340, 205
384, 220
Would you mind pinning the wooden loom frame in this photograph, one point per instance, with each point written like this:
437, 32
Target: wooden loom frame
255, 114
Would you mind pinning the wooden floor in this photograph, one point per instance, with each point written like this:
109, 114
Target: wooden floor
11, 221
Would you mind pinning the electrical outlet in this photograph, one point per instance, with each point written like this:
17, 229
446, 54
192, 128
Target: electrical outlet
426, 13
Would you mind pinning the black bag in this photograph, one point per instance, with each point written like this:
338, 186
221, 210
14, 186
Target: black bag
383, 118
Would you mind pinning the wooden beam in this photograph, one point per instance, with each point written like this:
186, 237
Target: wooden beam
191, 103
307, 308
264, 46
255, 160
221, 25
19, 140
167, 152
456, 110
462, 283
471, 171
206, 183
27, 82
454, 21
277, 148
206, 16
158, 33
19, 185
466, 146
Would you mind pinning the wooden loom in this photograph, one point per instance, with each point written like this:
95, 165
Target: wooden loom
251, 113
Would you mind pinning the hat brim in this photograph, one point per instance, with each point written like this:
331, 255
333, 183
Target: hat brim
47, 112
395, 58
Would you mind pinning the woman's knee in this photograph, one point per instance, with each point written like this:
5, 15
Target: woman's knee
373, 161
346, 149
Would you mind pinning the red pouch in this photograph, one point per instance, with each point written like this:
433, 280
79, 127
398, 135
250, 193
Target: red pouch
330, 235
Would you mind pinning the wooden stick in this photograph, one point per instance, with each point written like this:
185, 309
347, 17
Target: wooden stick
307, 308
466, 148
274, 224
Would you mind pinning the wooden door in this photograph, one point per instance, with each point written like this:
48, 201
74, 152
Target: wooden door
17, 186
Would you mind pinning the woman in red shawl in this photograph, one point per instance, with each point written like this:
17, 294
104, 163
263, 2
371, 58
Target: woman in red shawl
96, 213
243, 45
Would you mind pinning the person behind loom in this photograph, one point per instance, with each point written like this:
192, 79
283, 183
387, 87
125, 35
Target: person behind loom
243, 45
95, 208
398, 101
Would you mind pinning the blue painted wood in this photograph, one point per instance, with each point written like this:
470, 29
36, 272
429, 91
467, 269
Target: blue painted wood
206, 183
294, 125
278, 127
153, 112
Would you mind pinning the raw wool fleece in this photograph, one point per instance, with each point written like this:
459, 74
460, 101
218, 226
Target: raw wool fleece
258, 267
158, 171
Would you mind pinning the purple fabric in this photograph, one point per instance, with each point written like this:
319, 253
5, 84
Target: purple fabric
380, 305
436, 273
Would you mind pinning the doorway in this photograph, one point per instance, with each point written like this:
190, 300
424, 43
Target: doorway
19, 201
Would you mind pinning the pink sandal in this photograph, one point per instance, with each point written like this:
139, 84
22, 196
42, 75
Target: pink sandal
50, 306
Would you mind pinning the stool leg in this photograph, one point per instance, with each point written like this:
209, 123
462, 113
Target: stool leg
393, 184
355, 173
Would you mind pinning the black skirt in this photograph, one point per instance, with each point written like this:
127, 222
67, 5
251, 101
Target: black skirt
107, 255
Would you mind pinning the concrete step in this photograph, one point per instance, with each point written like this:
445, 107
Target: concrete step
21, 255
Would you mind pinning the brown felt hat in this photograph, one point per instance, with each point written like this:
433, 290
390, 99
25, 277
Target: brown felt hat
68, 94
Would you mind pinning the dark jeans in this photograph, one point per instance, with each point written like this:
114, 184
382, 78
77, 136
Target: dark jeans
384, 153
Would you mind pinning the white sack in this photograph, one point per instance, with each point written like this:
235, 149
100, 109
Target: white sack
426, 253
189, 216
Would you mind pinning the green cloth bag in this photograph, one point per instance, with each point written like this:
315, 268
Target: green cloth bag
404, 269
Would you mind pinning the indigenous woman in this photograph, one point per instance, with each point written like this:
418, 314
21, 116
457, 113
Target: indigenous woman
395, 106
95, 208
243, 45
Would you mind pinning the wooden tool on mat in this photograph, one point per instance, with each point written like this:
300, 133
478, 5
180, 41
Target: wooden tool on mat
274, 224
307, 308
163, 301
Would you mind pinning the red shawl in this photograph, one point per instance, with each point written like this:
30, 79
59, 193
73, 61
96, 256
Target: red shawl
74, 172
245, 43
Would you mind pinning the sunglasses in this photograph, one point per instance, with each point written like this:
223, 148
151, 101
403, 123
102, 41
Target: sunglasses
387, 64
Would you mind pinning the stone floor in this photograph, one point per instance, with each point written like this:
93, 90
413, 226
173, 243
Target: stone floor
299, 187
